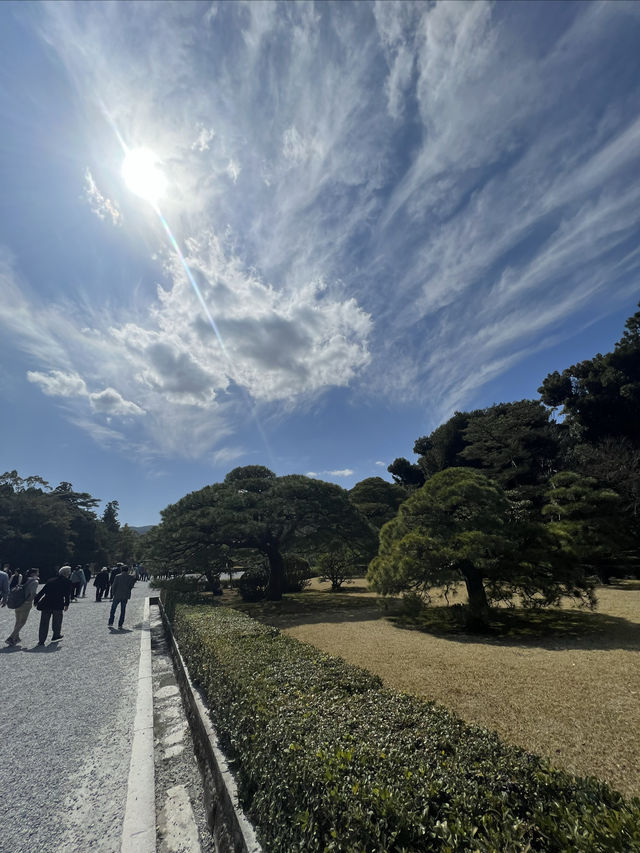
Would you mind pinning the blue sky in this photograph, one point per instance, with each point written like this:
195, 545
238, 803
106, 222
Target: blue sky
388, 212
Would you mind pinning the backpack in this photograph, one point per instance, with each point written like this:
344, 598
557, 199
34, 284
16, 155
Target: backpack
16, 597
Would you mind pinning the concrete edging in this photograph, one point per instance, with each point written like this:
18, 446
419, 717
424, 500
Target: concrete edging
139, 828
229, 825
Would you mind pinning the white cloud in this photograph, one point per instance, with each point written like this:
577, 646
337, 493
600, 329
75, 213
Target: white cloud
233, 170
203, 139
57, 383
381, 464
344, 472
111, 402
227, 454
103, 207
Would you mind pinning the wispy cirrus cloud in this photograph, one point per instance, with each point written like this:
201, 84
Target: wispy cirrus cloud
406, 199
103, 207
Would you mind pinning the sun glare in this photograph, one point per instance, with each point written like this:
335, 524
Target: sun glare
142, 174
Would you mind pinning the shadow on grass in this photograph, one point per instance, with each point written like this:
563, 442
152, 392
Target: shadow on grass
554, 629
309, 607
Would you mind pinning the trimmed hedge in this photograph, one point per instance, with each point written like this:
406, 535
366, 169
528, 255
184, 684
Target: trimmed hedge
328, 760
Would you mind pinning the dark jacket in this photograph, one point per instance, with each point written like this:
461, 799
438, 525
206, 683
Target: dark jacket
102, 579
122, 586
55, 594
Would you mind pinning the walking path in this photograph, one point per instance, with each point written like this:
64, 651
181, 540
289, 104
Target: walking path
69, 713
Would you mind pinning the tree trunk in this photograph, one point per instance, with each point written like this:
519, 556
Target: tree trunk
276, 574
213, 580
478, 604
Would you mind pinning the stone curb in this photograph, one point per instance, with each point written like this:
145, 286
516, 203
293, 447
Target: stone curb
232, 831
139, 828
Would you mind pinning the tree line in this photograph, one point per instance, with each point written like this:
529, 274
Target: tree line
45, 527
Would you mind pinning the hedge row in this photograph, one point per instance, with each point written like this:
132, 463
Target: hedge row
328, 760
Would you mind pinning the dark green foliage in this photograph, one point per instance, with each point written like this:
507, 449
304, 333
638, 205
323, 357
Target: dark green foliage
252, 477
45, 527
615, 465
406, 474
338, 567
110, 517
462, 526
601, 395
297, 573
586, 518
271, 516
253, 584
514, 443
442, 448
325, 759
377, 500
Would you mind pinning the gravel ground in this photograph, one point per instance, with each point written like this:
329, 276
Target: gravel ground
67, 711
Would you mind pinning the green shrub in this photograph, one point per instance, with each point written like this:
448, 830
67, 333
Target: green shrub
182, 583
297, 573
328, 760
170, 596
253, 583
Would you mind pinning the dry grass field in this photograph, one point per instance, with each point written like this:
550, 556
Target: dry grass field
565, 685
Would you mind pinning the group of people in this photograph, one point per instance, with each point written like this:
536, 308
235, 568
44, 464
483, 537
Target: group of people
20, 593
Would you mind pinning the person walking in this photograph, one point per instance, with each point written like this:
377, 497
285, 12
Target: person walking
77, 580
101, 583
112, 576
87, 578
30, 588
52, 600
121, 590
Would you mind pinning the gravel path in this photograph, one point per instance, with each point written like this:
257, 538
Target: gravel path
67, 718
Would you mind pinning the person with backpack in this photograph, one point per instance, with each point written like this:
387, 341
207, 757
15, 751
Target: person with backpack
51, 601
20, 600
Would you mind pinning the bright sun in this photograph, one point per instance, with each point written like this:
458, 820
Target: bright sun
143, 175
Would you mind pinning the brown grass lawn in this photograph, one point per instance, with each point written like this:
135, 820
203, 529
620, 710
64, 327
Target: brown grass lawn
566, 685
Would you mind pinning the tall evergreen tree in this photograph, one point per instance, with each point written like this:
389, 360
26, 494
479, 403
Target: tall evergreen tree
600, 397
253, 509
462, 527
